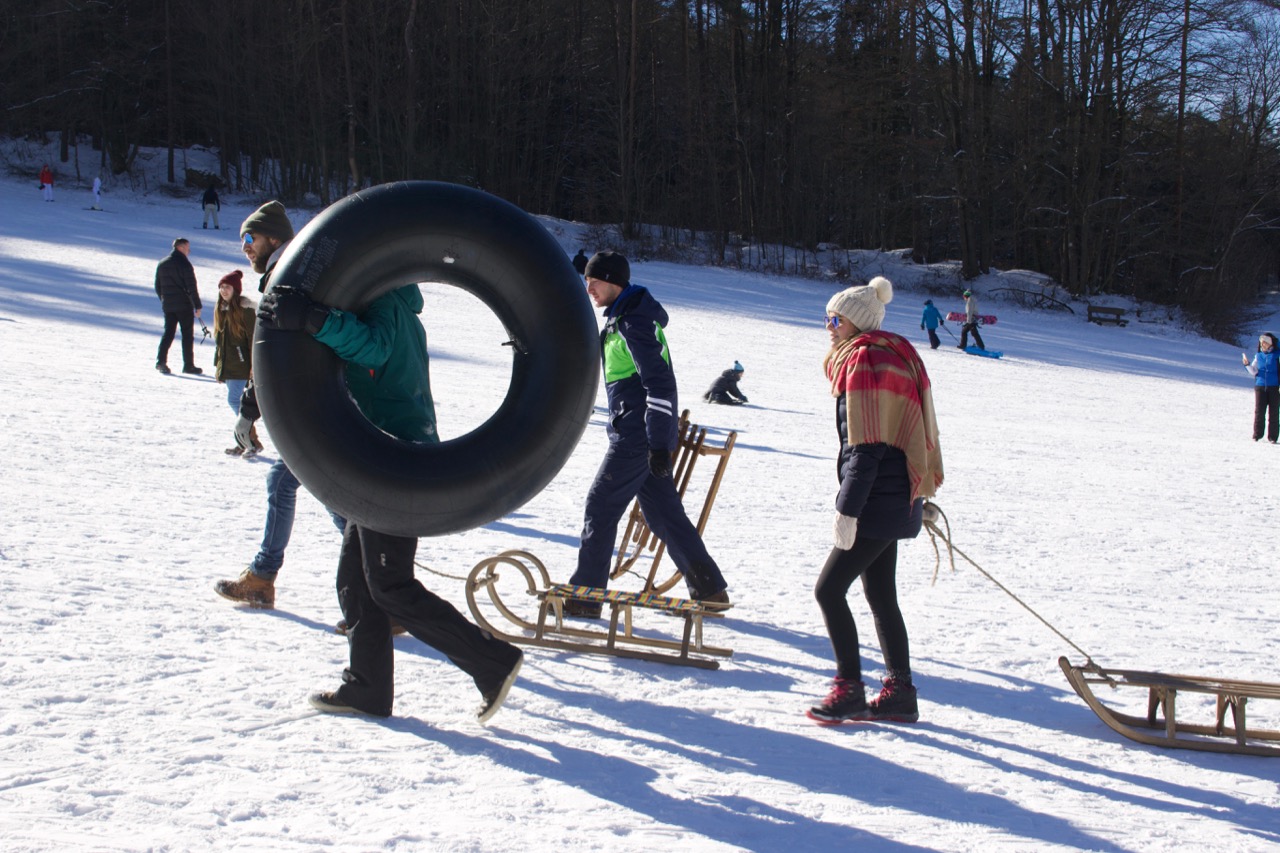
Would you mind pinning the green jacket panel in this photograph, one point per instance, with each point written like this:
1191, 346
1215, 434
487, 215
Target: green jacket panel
387, 366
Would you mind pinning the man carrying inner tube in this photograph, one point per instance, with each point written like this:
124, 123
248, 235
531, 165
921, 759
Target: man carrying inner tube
642, 435
386, 353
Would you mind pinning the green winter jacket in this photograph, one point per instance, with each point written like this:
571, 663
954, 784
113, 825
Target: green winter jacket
233, 356
387, 371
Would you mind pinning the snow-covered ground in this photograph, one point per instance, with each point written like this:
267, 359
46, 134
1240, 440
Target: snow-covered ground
1105, 475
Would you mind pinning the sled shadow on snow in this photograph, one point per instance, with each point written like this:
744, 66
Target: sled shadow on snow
720, 746
809, 761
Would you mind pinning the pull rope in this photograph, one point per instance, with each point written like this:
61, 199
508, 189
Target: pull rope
440, 573
932, 515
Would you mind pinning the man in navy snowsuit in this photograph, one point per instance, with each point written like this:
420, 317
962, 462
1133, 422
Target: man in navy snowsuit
642, 435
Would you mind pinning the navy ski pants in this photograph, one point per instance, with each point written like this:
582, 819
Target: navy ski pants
624, 475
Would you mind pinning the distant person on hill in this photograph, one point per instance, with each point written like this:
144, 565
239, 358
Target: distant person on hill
180, 301
233, 320
931, 320
580, 262
971, 322
46, 182
725, 389
889, 461
209, 201
1265, 369
97, 192
641, 388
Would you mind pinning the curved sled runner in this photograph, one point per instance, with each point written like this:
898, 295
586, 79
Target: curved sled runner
1160, 726
548, 629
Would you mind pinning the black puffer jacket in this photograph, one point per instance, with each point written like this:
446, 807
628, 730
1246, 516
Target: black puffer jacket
874, 486
176, 284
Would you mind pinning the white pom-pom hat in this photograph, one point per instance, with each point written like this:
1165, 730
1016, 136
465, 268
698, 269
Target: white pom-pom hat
863, 306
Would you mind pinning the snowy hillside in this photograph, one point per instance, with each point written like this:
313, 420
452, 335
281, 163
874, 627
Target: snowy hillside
1105, 475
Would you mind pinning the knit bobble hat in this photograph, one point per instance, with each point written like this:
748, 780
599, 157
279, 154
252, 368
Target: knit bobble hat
609, 266
863, 306
270, 220
737, 367
233, 278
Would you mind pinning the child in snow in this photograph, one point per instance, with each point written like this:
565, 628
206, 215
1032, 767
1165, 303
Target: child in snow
931, 320
1265, 367
725, 389
233, 321
890, 460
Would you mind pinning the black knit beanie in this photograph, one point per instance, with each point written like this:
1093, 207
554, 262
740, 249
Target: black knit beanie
269, 220
609, 266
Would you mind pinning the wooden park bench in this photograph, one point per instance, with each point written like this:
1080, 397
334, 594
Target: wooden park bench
1102, 314
548, 627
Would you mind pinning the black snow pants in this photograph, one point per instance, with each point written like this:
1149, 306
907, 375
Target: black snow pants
376, 585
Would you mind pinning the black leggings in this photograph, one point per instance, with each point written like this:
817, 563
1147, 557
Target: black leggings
876, 560
1266, 401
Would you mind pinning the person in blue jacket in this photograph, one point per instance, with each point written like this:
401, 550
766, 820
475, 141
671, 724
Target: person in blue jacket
641, 387
931, 320
385, 348
1265, 369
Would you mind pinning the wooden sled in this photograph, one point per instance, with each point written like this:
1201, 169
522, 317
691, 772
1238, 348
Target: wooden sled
547, 627
1160, 727
637, 538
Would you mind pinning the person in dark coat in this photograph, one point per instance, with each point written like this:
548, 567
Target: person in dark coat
385, 348
180, 301
641, 386
580, 262
725, 390
209, 201
890, 460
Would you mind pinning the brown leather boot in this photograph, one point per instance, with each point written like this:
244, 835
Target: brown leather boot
249, 589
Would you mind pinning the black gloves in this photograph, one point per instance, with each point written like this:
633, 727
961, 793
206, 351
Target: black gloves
660, 463
291, 310
249, 403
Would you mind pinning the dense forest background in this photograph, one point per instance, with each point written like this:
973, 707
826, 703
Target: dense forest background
1120, 146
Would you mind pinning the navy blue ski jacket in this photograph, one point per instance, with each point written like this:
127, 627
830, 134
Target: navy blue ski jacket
637, 371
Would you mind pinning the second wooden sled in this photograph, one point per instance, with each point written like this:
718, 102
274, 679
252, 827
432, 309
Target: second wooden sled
1161, 727
547, 627
637, 538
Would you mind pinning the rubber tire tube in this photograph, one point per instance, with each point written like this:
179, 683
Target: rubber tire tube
419, 231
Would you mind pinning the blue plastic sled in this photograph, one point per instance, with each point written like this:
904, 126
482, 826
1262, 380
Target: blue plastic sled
984, 352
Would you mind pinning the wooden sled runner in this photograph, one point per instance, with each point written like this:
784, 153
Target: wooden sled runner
1160, 727
546, 626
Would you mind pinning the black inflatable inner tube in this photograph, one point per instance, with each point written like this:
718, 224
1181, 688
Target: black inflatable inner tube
412, 232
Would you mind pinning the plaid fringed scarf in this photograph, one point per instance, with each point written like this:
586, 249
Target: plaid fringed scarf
889, 401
